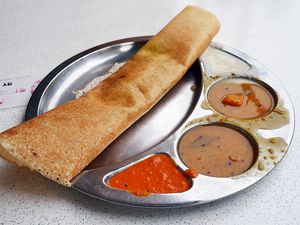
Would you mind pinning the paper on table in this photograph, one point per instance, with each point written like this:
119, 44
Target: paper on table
16, 92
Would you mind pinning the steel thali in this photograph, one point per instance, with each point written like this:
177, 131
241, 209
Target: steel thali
157, 131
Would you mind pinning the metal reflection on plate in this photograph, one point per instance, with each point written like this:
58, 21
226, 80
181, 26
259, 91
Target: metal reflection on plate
161, 128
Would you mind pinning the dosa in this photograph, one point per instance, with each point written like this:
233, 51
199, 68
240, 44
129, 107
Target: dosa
61, 142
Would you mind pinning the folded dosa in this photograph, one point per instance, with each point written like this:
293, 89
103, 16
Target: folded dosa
60, 143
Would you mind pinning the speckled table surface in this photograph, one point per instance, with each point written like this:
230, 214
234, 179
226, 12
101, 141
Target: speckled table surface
35, 36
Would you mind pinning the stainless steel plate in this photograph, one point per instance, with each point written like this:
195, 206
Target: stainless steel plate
161, 128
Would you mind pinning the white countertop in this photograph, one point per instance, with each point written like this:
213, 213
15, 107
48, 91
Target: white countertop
36, 36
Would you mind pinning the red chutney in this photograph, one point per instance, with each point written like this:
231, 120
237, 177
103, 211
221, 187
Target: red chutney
191, 173
156, 174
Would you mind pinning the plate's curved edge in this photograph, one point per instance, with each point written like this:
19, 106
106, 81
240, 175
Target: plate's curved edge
33, 104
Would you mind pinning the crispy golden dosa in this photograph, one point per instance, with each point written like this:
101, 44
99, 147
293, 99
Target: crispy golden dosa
60, 143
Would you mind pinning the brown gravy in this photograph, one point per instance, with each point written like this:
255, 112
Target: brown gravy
217, 151
243, 100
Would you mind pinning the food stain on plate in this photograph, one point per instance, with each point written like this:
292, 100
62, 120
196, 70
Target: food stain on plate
157, 174
276, 117
266, 112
